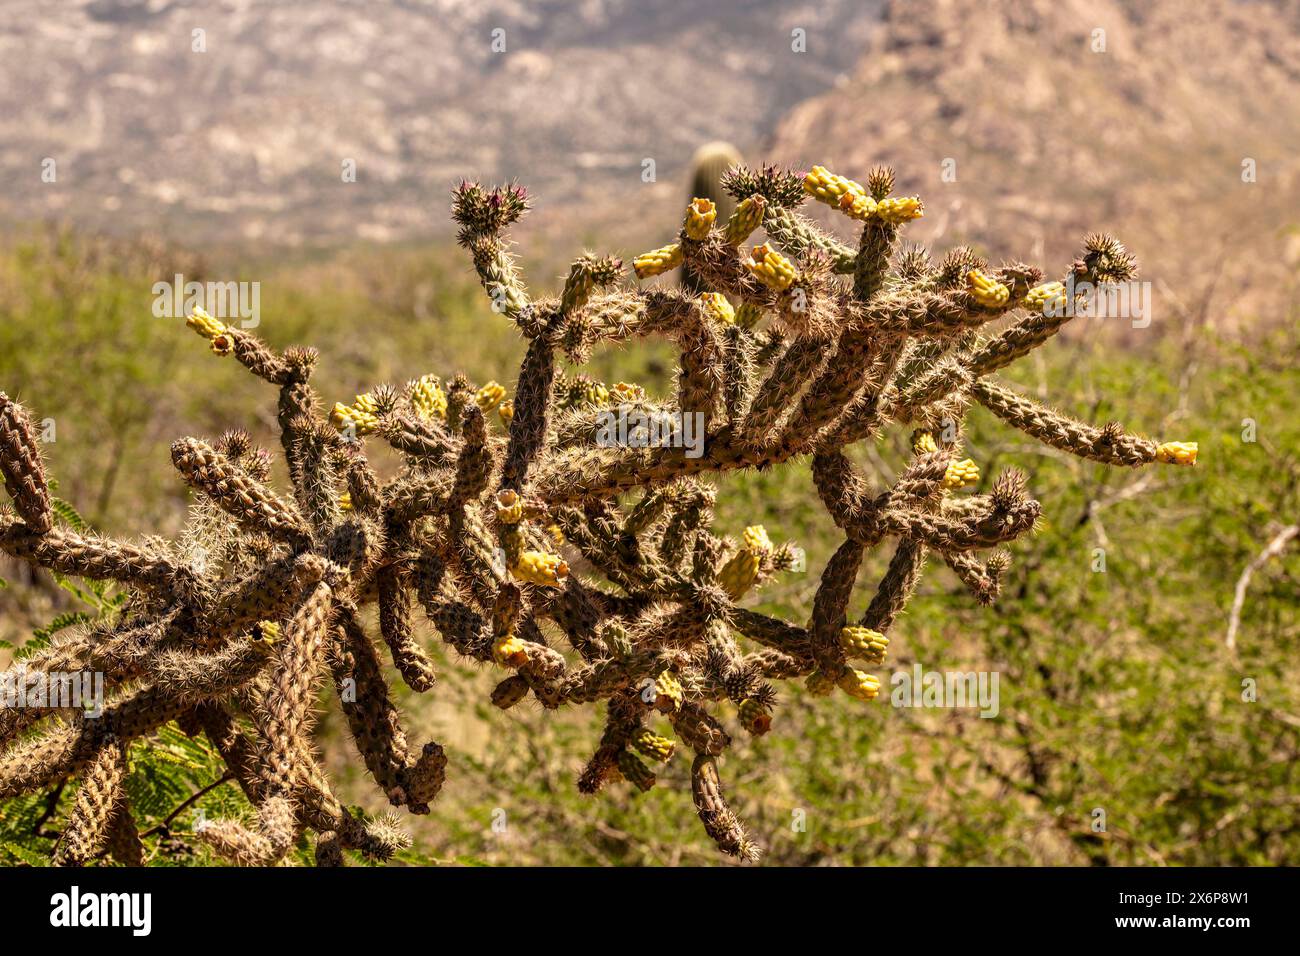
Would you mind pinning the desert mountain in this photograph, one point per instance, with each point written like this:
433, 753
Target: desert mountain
1057, 117
247, 139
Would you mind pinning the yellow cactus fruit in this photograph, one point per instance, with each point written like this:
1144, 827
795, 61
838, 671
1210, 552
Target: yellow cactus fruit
510, 506
510, 651
825, 186
859, 684
595, 393
960, 474
923, 442
739, 574
865, 643
345, 501
266, 632
657, 261
820, 683
747, 217
653, 746
771, 268
900, 210
717, 308
537, 567
754, 717
489, 396
1177, 453
669, 694
429, 399
556, 533
986, 290
204, 324
340, 416
748, 314
507, 412
1047, 298
700, 215
623, 392
756, 539
215, 331
361, 420
858, 206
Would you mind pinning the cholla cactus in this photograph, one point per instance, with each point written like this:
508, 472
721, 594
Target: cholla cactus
801, 347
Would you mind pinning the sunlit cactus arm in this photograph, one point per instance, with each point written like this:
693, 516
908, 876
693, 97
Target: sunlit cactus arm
246, 347
119, 651
483, 215
861, 419
372, 719
91, 556
720, 822
1109, 444
426, 442
187, 676
532, 416
946, 377
285, 712
799, 236
254, 506
796, 366
410, 659
833, 389
622, 719
702, 368
22, 468
123, 843
411, 497
982, 578
319, 464
100, 791
474, 463
269, 592
983, 530
297, 406
896, 587
830, 603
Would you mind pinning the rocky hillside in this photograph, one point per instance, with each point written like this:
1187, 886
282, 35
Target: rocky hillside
1053, 129
247, 139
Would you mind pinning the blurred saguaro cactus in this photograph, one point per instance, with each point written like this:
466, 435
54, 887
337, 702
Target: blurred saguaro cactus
709, 166
581, 561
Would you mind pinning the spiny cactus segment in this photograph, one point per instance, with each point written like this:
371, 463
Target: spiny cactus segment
589, 572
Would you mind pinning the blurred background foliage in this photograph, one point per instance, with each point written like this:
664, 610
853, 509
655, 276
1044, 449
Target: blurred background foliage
1118, 693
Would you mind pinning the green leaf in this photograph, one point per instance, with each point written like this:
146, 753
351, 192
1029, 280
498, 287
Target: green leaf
69, 515
22, 854
62, 622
